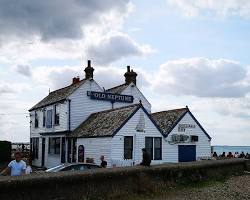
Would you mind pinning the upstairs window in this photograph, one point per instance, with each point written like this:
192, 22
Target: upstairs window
49, 119
54, 145
36, 120
153, 146
44, 117
128, 147
56, 115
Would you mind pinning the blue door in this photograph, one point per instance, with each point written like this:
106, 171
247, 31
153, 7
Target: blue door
187, 153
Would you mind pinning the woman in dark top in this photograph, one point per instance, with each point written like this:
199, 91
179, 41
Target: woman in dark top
146, 160
103, 163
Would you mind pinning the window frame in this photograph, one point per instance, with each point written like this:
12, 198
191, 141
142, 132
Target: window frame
126, 148
49, 118
152, 150
36, 120
54, 142
158, 148
35, 148
56, 116
44, 117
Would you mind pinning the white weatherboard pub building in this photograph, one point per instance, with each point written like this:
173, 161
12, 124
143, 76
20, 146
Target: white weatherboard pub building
83, 121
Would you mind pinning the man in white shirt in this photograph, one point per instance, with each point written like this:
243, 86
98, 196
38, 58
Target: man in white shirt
16, 167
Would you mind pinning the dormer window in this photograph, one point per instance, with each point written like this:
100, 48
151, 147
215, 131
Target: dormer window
36, 120
56, 115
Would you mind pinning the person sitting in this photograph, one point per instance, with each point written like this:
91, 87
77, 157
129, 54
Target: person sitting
223, 155
146, 160
215, 155
236, 155
242, 155
230, 155
247, 156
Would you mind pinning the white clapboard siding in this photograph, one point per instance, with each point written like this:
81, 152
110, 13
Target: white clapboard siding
82, 106
53, 160
129, 129
136, 93
203, 146
63, 119
95, 147
37, 162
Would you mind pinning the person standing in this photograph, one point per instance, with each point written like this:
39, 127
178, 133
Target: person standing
16, 167
28, 166
146, 160
103, 162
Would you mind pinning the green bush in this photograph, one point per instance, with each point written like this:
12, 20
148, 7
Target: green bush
5, 151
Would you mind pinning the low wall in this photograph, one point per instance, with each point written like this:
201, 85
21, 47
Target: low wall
116, 182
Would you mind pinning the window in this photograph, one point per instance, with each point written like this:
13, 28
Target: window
49, 119
157, 149
36, 120
56, 115
34, 147
80, 153
153, 146
128, 147
44, 117
54, 145
149, 146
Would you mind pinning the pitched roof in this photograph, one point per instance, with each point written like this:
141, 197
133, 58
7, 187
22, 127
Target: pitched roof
166, 120
58, 95
105, 123
117, 89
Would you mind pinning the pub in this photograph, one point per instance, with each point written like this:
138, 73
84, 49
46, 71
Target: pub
83, 121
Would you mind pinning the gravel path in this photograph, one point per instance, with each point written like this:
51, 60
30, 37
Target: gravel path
235, 188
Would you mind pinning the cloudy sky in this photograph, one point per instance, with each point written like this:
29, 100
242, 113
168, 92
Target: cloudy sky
186, 52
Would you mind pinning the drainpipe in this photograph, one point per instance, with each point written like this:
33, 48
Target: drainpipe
69, 110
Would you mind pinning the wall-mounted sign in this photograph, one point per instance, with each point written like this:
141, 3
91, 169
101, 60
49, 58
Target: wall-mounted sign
110, 97
183, 127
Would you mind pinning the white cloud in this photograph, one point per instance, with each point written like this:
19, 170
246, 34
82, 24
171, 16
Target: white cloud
202, 77
46, 20
23, 70
57, 77
115, 46
98, 36
219, 8
10, 88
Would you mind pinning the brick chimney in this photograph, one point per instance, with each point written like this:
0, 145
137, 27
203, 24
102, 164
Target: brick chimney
130, 76
89, 70
75, 80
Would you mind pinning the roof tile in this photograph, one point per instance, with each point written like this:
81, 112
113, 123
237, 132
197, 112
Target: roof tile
104, 123
167, 119
58, 95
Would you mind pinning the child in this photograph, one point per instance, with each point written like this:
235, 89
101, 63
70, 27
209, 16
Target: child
28, 167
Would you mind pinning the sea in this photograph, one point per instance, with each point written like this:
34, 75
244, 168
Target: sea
219, 149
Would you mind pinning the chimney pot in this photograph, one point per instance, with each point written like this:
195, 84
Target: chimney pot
75, 80
89, 70
128, 68
130, 76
